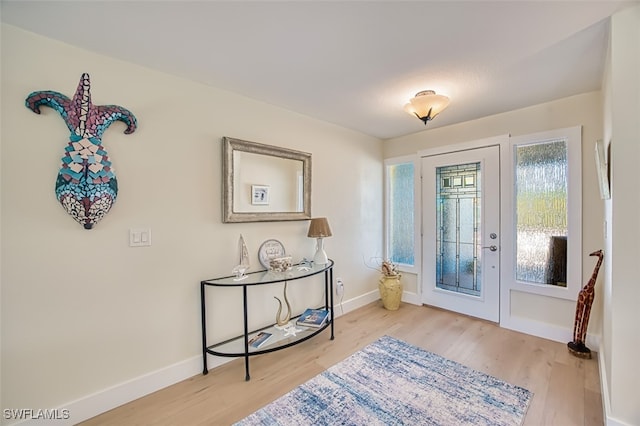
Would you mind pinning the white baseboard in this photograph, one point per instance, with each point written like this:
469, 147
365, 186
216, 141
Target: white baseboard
412, 298
609, 420
342, 307
97, 403
546, 331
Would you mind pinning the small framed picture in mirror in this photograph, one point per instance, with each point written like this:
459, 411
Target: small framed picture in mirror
260, 195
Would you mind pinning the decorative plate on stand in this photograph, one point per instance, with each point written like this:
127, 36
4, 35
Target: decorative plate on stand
270, 249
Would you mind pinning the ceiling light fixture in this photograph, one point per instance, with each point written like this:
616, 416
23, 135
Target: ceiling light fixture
426, 105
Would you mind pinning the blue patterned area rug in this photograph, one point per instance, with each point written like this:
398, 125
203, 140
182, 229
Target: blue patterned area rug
391, 382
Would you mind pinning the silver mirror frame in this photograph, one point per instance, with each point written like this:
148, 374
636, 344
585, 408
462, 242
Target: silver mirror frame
229, 145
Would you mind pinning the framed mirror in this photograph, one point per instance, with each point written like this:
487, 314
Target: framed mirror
263, 183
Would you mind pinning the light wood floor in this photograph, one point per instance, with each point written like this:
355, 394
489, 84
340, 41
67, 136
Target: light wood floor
566, 389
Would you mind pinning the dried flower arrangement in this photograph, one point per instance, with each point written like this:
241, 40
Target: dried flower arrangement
389, 269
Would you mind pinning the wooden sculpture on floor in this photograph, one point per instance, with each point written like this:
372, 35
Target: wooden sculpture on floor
583, 309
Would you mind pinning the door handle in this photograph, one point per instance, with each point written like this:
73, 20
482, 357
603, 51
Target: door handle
491, 248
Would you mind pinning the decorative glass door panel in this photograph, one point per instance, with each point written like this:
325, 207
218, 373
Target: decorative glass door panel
461, 224
458, 238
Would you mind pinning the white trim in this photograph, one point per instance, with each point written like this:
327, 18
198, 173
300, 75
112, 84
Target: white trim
573, 136
347, 306
609, 420
411, 297
415, 269
479, 143
99, 402
547, 331
574, 279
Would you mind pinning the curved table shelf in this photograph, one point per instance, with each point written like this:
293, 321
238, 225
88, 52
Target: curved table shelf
239, 346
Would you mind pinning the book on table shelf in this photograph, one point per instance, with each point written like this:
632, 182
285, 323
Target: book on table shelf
259, 339
313, 318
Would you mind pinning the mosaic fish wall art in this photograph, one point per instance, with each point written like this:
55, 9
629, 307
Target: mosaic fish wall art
86, 185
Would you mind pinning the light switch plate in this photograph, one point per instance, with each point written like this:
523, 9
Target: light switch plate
139, 237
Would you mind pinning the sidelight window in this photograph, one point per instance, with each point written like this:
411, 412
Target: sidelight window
400, 224
546, 216
541, 212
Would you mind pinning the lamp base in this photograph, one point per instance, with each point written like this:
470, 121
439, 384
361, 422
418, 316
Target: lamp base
320, 257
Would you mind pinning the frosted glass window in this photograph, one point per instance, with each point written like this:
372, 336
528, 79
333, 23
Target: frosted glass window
541, 213
458, 238
400, 234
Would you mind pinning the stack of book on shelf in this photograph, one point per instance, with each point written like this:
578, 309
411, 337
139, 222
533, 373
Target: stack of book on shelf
313, 318
259, 339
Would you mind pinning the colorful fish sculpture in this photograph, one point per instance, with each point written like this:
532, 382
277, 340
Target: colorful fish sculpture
86, 186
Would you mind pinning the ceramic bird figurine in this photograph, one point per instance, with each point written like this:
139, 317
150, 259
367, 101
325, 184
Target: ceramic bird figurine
86, 185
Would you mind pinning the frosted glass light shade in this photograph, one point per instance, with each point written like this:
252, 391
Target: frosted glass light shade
426, 105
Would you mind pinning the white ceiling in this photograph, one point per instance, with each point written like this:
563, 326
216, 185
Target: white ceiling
352, 63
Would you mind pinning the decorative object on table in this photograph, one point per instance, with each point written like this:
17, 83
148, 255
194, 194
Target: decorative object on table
313, 318
289, 329
390, 286
243, 263
270, 249
86, 186
260, 195
583, 309
393, 382
279, 319
319, 229
305, 265
280, 264
602, 168
259, 339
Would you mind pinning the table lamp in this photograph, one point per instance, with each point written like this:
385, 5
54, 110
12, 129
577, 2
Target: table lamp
319, 228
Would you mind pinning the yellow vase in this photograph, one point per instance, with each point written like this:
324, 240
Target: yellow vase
390, 291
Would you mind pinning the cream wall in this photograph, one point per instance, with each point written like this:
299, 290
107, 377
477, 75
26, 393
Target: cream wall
550, 317
83, 312
621, 340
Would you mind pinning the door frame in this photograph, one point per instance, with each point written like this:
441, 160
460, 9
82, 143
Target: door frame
502, 141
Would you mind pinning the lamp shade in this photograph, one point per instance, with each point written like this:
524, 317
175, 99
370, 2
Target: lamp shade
319, 228
426, 105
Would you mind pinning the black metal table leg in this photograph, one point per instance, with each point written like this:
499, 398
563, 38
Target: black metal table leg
246, 335
331, 291
204, 330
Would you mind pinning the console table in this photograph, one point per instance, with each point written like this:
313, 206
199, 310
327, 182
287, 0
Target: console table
239, 346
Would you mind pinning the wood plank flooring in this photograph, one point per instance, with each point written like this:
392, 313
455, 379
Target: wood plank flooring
566, 389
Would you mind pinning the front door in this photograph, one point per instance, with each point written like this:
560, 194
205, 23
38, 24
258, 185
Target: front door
461, 222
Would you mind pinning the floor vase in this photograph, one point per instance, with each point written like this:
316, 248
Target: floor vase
390, 291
